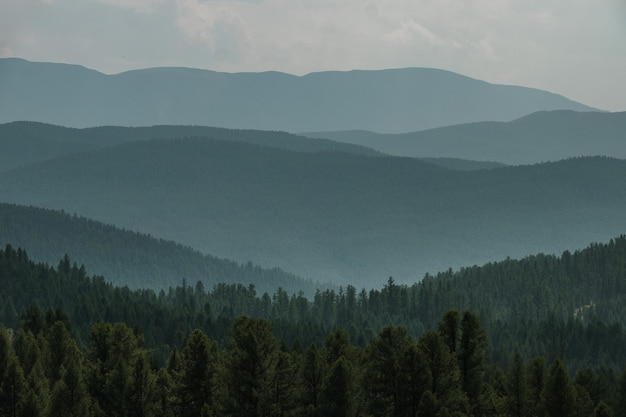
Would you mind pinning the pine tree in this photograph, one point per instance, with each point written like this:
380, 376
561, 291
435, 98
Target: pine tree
386, 372
250, 367
311, 376
450, 329
472, 355
559, 395
516, 388
70, 397
337, 397
197, 384
13, 388
536, 376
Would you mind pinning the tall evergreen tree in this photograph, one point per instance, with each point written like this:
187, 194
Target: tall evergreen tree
70, 397
516, 388
472, 355
536, 376
13, 388
444, 371
559, 396
337, 397
250, 367
386, 372
311, 376
450, 329
197, 382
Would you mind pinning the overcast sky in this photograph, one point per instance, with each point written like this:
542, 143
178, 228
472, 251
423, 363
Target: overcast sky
572, 47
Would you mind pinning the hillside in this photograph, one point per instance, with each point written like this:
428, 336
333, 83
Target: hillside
568, 307
128, 258
330, 216
391, 101
539, 137
25, 143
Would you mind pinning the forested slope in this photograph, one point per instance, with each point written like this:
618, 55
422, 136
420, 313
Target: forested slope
79, 346
569, 307
129, 258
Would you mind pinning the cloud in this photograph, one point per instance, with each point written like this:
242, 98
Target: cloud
409, 31
6, 52
221, 28
555, 44
143, 6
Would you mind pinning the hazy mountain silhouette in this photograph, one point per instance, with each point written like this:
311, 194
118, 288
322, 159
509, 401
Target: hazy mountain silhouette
539, 137
330, 215
395, 100
29, 142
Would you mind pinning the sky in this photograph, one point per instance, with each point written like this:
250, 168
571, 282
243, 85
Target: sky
576, 48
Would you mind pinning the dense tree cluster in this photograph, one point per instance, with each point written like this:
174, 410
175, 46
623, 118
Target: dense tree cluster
444, 372
568, 307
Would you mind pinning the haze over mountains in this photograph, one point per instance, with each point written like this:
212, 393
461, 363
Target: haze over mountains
341, 208
538, 137
338, 216
391, 101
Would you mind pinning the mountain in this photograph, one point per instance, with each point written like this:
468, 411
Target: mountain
395, 100
25, 143
538, 137
330, 216
128, 258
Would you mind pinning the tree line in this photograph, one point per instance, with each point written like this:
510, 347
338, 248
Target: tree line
444, 372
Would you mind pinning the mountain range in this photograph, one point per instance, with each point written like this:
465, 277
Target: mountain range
345, 217
390, 101
538, 137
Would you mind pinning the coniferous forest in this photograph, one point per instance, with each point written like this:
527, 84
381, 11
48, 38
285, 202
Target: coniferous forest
463, 343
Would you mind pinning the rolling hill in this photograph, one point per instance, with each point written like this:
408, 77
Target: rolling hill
395, 100
538, 137
330, 216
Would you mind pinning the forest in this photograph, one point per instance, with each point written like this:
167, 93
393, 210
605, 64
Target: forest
458, 343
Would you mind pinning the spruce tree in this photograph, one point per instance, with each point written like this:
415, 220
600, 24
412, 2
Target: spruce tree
559, 398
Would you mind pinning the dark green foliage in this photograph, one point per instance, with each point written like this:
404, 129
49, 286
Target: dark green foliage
516, 388
252, 376
337, 398
603, 410
250, 368
472, 355
311, 375
13, 387
196, 388
387, 372
559, 395
536, 374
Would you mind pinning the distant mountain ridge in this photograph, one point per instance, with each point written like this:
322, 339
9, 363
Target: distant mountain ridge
330, 216
25, 143
395, 100
538, 137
